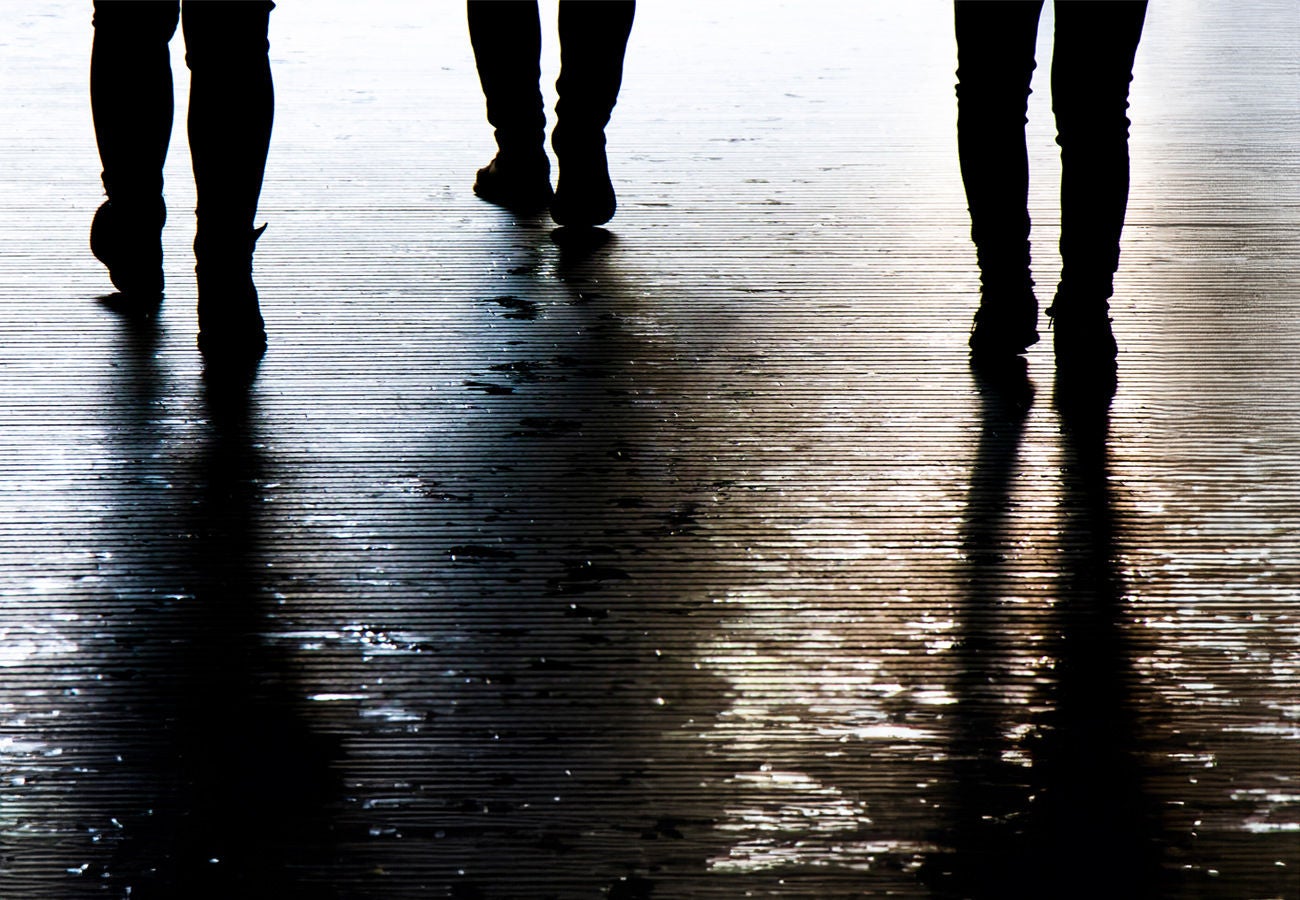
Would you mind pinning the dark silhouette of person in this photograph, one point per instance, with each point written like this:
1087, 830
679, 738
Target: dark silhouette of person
1092, 66
507, 40
231, 106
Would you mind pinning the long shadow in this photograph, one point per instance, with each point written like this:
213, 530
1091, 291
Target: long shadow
991, 792
1048, 798
1096, 819
230, 793
554, 681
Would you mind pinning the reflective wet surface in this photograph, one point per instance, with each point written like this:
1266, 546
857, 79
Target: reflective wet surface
692, 561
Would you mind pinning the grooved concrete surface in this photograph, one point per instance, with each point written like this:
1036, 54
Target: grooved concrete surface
695, 565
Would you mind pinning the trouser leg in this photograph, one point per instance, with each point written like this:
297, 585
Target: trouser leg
131, 105
995, 62
507, 39
593, 42
131, 95
231, 110
1092, 67
232, 105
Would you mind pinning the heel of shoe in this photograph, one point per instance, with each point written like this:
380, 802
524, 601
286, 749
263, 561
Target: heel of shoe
516, 181
1004, 326
128, 241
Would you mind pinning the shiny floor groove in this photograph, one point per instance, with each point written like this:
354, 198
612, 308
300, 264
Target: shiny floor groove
696, 564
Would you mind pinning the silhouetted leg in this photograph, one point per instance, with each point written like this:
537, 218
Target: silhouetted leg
131, 103
507, 40
1092, 66
995, 62
231, 107
593, 39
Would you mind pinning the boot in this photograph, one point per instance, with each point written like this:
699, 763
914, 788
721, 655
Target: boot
517, 180
128, 240
1006, 324
231, 329
1081, 336
585, 195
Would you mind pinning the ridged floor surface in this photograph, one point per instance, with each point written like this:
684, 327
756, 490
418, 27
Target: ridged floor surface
694, 564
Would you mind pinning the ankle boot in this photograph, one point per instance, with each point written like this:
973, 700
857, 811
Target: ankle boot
585, 195
517, 178
1006, 324
1081, 335
230, 322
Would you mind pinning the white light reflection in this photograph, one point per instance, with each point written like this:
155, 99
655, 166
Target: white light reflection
23, 651
809, 689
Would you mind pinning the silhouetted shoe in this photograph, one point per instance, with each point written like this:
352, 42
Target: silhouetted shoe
521, 182
231, 329
1003, 327
584, 197
1082, 338
130, 245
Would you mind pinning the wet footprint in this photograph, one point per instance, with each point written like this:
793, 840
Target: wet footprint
518, 307
489, 388
522, 372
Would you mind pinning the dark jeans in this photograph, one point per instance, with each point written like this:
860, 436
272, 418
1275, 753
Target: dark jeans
230, 109
1092, 65
507, 40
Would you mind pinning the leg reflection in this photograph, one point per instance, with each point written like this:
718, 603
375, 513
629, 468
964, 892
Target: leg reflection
992, 787
1092, 805
1048, 797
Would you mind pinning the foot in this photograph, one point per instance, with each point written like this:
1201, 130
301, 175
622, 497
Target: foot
1003, 328
584, 197
1082, 338
518, 182
129, 243
231, 330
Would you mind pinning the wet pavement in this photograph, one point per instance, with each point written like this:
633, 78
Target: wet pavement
690, 563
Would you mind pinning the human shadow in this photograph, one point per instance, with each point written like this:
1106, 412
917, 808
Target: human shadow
230, 791
554, 675
1049, 797
1094, 796
990, 791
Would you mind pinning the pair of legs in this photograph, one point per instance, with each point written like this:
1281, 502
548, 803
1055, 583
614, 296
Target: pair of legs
230, 111
1092, 65
507, 40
